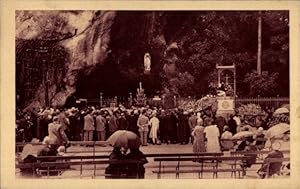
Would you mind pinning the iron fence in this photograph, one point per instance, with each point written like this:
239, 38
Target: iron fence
266, 102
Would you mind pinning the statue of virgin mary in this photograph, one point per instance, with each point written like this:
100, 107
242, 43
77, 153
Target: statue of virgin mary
147, 62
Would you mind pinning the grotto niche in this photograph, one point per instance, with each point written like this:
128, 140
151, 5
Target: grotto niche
68, 54
65, 55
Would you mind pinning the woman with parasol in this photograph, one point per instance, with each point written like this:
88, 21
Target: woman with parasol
136, 170
123, 139
115, 170
248, 145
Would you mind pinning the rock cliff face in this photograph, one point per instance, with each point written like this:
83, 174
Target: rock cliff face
84, 40
82, 36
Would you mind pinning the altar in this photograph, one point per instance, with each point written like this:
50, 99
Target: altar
226, 94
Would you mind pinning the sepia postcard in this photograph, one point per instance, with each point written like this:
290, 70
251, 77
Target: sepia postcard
144, 94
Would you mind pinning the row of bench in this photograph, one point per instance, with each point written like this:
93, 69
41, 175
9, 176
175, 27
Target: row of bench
235, 165
167, 163
199, 165
47, 168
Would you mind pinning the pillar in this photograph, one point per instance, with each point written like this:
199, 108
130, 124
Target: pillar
175, 101
101, 100
130, 99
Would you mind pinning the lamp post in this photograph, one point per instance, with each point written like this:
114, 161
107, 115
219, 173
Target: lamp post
101, 100
45, 51
163, 100
130, 99
46, 82
175, 101
259, 42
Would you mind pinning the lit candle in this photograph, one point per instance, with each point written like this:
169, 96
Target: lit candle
140, 85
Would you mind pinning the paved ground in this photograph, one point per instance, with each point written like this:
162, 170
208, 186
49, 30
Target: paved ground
151, 149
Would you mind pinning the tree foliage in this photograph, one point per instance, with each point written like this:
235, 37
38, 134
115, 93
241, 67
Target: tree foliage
209, 38
265, 84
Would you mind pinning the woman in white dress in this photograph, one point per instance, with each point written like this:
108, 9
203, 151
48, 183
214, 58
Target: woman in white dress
154, 124
212, 135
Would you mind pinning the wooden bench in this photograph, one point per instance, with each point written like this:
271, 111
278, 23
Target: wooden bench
256, 152
62, 163
48, 165
53, 158
58, 167
186, 154
235, 167
179, 155
43, 158
260, 154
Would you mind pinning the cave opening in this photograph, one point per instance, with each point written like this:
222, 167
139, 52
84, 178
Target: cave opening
123, 68
112, 81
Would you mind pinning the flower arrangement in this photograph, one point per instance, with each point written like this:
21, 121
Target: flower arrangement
250, 109
199, 105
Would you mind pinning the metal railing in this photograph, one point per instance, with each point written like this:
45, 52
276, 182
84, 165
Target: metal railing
274, 102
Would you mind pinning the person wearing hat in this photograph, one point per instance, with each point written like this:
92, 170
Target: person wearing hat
134, 170
198, 116
199, 139
115, 171
232, 125
64, 121
248, 145
154, 124
122, 122
274, 168
100, 126
57, 133
260, 138
192, 121
183, 129
143, 124
88, 127
227, 135
212, 135
113, 124
221, 122
132, 122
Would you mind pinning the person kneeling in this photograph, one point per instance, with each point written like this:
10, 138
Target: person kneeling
136, 170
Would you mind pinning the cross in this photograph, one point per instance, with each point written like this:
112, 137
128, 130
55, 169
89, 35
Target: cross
226, 79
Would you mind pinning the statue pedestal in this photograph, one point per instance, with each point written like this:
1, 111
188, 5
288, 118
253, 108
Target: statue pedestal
225, 106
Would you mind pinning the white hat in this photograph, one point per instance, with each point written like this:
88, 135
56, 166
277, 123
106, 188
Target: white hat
135, 111
61, 149
35, 140
260, 129
154, 112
